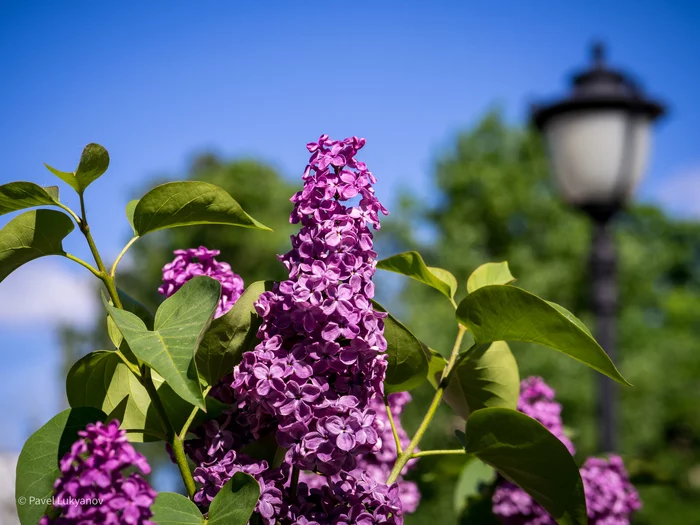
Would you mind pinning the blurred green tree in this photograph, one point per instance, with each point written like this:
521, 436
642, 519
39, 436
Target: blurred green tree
495, 203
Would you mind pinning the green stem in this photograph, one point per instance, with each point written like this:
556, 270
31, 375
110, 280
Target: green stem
181, 460
113, 271
82, 263
406, 455
186, 426
394, 430
454, 452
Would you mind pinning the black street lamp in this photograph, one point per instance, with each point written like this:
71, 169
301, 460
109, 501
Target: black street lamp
598, 141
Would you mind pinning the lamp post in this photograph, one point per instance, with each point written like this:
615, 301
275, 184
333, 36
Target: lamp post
598, 140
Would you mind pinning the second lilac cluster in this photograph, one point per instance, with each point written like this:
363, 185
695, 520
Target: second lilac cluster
201, 261
93, 487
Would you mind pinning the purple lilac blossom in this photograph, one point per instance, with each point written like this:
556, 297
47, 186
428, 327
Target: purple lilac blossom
92, 487
610, 497
200, 261
377, 465
312, 380
320, 360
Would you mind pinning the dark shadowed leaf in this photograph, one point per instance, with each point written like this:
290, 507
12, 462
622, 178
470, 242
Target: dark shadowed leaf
21, 195
527, 454
484, 376
489, 273
32, 235
407, 363
37, 466
94, 161
186, 203
508, 313
411, 265
230, 335
235, 502
180, 324
170, 508
102, 380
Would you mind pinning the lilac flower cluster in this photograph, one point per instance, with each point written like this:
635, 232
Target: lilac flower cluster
314, 379
610, 497
320, 359
200, 261
92, 472
376, 466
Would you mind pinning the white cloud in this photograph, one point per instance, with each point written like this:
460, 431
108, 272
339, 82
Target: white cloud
45, 291
680, 193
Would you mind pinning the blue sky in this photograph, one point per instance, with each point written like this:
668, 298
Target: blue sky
156, 82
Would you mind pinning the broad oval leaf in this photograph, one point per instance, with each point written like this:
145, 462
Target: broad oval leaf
170, 508
21, 195
230, 335
507, 313
102, 380
235, 502
489, 273
94, 161
407, 357
484, 376
31, 235
186, 203
411, 265
527, 454
472, 479
179, 326
37, 466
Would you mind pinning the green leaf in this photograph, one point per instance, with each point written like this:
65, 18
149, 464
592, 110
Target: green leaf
527, 454
186, 203
407, 363
436, 365
235, 502
180, 324
508, 313
21, 195
37, 466
94, 161
230, 335
489, 273
102, 380
411, 265
473, 477
32, 235
170, 508
130, 209
485, 376
136, 307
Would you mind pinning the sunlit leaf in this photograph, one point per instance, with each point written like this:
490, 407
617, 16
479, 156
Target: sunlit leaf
170, 508
485, 376
489, 273
235, 502
21, 195
180, 324
33, 234
508, 313
37, 466
94, 161
411, 265
187, 203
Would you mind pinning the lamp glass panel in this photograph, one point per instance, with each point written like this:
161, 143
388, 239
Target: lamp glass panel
597, 156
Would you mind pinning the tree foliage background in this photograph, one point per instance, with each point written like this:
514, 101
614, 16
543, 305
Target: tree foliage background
495, 202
